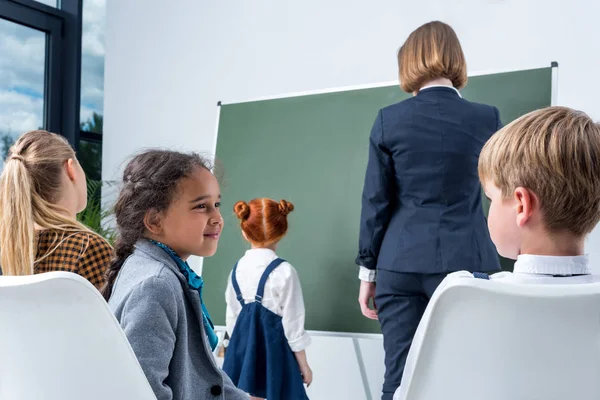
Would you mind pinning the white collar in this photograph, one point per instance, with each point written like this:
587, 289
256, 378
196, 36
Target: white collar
260, 253
442, 86
552, 265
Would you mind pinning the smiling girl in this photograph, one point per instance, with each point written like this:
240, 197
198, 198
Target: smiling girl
167, 211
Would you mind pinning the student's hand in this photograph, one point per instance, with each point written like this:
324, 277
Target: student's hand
304, 368
307, 374
365, 295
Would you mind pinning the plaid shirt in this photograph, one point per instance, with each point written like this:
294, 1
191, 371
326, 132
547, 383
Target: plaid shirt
81, 253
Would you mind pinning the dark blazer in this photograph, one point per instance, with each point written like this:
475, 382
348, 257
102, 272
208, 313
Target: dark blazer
421, 204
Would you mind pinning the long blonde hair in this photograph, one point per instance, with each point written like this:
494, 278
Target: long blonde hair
29, 188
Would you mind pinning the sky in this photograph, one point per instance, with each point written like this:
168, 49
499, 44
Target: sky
22, 70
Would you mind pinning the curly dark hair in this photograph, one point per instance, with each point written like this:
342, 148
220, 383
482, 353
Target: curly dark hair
150, 182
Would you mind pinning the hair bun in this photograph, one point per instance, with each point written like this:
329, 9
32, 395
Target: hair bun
285, 207
242, 210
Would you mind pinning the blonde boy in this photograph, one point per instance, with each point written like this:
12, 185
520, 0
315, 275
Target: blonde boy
542, 176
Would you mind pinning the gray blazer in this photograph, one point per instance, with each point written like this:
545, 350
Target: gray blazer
162, 319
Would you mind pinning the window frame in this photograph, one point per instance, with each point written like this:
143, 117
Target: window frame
62, 80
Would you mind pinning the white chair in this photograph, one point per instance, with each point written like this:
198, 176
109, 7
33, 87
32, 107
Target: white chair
491, 340
60, 341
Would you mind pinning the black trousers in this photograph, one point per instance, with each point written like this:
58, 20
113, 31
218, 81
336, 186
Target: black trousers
401, 299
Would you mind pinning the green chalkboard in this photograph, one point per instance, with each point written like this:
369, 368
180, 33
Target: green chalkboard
312, 150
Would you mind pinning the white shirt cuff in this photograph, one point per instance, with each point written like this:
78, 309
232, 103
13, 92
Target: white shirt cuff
301, 343
367, 275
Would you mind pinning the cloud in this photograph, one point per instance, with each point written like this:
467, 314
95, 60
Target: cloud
21, 77
23, 56
19, 112
22, 70
86, 113
93, 50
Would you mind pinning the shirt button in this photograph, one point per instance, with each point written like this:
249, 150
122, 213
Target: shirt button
216, 390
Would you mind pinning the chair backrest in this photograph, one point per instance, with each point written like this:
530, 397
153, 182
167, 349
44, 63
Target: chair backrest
492, 340
60, 341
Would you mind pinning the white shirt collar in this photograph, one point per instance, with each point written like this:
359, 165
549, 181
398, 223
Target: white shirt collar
552, 265
260, 253
443, 86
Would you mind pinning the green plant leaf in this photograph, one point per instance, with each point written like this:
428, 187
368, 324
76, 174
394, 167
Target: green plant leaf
95, 215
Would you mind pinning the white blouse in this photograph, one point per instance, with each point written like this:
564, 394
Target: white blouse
283, 295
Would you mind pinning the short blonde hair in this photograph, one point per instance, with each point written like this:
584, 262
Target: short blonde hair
431, 51
555, 153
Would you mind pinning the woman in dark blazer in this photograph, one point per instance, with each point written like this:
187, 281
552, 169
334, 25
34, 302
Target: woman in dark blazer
421, 207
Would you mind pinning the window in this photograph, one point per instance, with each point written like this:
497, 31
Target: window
52, 73
22, 79
52, 77
34, 47
92, 87
51, 3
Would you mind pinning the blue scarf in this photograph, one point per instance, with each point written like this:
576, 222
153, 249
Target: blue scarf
195, 282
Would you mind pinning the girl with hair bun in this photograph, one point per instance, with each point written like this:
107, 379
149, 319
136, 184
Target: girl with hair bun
265, 310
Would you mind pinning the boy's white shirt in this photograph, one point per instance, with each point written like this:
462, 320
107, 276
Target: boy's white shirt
540, 269
528, 267
283, 295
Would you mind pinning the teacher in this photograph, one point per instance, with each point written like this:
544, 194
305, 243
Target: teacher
421, 206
